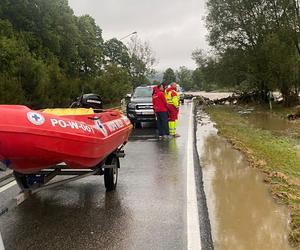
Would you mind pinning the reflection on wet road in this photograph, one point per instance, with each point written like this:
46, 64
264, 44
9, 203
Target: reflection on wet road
242, 212
147, 211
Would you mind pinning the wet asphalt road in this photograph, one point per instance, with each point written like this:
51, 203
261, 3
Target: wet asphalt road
147, 211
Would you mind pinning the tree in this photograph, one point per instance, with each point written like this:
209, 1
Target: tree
184, 76
117, 53
200, 57
47, 54
113, 84
254, 30
90, 50
197, 78
169, 76
142, 61
224, 71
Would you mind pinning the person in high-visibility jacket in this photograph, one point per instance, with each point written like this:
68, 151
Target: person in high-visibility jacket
173, 108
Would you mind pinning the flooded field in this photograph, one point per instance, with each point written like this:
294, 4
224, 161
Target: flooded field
211, 95
243, 215
269, 121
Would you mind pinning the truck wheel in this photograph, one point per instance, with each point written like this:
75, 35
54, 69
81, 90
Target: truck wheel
137, 125
182, 101
21, 180
111, 174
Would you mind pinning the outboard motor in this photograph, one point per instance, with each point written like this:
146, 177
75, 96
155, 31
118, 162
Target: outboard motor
93, 101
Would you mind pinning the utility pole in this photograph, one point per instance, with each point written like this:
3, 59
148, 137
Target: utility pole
270, 98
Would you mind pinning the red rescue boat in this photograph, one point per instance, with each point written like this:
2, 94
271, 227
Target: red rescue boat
57, 139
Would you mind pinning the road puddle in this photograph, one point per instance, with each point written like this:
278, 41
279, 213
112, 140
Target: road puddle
243, 214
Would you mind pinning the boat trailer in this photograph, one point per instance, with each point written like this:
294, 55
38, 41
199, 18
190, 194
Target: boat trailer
33, 183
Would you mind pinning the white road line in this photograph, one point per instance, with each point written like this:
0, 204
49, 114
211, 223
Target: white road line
193, 228
2, 189
1, 243
9, 185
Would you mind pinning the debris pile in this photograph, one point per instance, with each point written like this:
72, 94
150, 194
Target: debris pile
296, 115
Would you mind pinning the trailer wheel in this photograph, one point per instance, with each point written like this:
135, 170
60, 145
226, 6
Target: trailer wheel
21, 180
111, 174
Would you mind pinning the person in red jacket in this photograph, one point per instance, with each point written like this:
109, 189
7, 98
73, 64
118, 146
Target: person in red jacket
160, 107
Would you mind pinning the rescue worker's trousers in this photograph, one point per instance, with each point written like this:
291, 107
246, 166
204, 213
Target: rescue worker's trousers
172, 127
162, 123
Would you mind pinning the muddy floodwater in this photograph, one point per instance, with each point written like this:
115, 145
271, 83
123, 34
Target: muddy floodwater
243, 214
272, 122
211, 95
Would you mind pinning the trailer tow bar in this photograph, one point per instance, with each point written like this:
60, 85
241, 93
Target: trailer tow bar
10, 181
22, 196
5, 183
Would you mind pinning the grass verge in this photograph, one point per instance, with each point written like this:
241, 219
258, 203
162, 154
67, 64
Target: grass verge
275, 155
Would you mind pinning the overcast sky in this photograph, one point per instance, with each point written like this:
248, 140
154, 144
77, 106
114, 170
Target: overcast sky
174, 28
